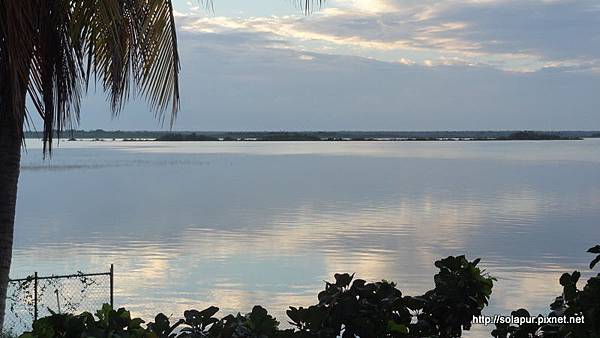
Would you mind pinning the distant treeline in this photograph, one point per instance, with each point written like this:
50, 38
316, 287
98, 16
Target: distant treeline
321, 135
185, 137
530, 135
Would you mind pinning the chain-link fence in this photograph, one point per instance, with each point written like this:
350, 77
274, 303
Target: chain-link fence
35, 297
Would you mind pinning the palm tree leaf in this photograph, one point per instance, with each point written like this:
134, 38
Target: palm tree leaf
158, 71
119, 44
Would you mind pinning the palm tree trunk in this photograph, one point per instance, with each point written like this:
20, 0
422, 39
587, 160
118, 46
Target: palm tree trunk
10, 157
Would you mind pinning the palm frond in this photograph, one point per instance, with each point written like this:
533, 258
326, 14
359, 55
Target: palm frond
158, 71
124, 45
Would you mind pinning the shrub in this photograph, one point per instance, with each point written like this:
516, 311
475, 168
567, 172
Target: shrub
379, 309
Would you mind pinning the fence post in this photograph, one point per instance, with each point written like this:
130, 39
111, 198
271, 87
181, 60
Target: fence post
112, 286
35, 296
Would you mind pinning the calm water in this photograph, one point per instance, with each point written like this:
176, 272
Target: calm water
235, 224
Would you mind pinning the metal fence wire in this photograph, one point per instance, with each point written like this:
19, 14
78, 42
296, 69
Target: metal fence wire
38, 296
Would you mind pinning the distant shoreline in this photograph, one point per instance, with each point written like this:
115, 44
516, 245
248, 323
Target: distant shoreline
295, 136
322, 136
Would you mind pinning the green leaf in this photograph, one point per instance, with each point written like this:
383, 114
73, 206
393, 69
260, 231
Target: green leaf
394, 327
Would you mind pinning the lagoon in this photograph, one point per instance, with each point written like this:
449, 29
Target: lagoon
232, 224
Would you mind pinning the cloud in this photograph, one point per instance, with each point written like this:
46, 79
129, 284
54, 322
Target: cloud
514, 35
369, 6
238, 79
551, 29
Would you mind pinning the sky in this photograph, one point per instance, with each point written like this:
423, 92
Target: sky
380, 65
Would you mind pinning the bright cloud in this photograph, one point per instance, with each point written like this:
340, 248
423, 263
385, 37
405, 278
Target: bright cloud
513, 35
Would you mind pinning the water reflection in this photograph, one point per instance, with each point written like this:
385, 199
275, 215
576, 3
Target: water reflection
236, 224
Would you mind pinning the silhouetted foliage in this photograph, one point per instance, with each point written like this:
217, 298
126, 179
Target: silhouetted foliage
379, 309
288, 136
186, 137
532, 135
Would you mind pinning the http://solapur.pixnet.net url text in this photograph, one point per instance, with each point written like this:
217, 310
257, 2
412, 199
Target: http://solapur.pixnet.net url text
514, 320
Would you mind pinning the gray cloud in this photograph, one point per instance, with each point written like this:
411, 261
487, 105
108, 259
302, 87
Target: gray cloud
238, 80
553, 29
519, 35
